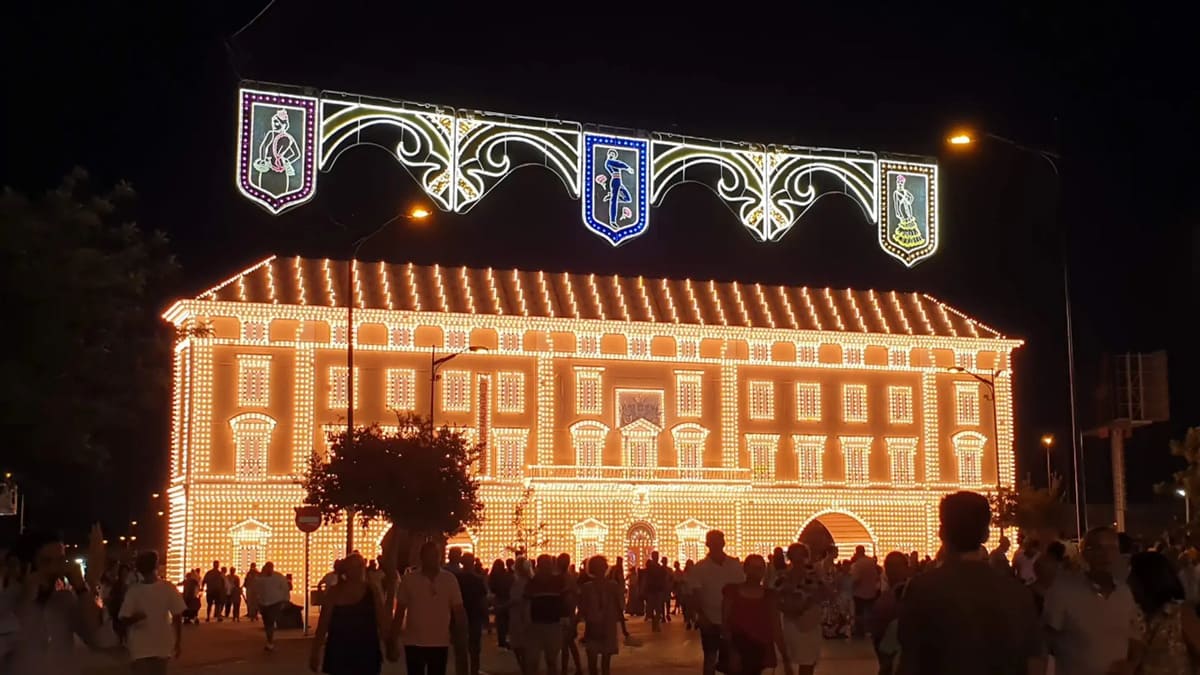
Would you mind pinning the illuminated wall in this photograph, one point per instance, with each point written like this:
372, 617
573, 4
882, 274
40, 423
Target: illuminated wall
642, 412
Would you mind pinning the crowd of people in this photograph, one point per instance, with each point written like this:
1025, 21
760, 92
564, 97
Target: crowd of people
1107, 608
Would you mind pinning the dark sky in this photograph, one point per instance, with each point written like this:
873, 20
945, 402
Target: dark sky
147, 93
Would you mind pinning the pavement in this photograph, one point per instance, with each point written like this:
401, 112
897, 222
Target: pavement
237, 649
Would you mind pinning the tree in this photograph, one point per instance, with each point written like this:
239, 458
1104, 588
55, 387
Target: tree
86, 368
1187, 478
526, 535
417, 479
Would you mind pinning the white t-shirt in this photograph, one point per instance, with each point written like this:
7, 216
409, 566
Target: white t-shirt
272, 589
709, 578
330, 580
429, 603
153, 636
1091, 631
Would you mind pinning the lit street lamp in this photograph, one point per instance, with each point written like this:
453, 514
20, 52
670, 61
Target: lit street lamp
990, 383
1048, 442
415, 214
964, 139
1187, 504
435, 363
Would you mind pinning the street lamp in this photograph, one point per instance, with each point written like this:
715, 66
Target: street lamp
1187, 504
417, 213
963, 139
990, 383
435, 362
1048, 442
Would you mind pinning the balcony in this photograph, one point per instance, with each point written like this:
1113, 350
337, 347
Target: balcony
635, 474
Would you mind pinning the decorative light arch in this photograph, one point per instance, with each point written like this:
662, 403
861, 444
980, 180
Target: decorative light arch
288, 135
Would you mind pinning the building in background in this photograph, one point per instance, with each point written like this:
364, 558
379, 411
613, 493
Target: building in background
639, 412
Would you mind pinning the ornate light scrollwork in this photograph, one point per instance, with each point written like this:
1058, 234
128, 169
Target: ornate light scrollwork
734, 172
797, 180
489, 147
420, 137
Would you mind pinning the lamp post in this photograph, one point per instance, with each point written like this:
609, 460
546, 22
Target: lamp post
351, 296
962, 139
1048, 442
434, 363
990, 383
1187, 505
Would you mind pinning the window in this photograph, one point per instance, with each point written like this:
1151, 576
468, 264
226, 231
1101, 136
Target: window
902, 453
855, 355
254, 380
808, 401
688, 401
762, 400
641, 444
810, 458
456, 391
338, 391
512, 393
856, 451
254, 331
508, 449
252, 442
897, 357
968, 446
900, 405
762, 449
588, 440
589, 538
690, 534
806, 353
587, 391
401, 389
689, 448
854, 403
966, 403
964, 360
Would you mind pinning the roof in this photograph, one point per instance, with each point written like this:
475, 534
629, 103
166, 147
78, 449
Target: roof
508, 292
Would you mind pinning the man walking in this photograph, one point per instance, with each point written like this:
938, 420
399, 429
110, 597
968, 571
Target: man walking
963, 617
274, 593
429, 598
152, 613
707, 582
214, 591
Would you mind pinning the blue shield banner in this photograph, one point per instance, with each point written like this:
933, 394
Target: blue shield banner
615, 178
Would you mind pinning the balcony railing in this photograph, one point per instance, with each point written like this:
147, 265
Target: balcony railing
636, 473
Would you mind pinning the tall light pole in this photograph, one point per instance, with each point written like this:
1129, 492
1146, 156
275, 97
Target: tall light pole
434, 363
351, 297
1187, 505
1048, 442
962, 139
990, 383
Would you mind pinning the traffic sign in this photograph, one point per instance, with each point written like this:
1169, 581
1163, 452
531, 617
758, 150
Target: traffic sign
308, 518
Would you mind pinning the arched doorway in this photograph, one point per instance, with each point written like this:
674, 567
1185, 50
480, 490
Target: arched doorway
838, 529
640, 543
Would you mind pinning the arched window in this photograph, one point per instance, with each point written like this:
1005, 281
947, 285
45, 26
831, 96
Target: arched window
252, 443
640, 446
968, 447
689, 448
587, 437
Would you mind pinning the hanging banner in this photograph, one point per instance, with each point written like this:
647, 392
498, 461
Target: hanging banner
286, 136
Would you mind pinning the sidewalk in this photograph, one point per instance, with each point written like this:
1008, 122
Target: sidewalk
237, 649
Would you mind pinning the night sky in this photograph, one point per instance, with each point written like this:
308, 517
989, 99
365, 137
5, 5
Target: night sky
148, 94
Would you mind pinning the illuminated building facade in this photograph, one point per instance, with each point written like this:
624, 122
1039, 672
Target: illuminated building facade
640, 412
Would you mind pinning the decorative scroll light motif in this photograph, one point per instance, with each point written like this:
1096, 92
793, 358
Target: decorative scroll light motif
458, 156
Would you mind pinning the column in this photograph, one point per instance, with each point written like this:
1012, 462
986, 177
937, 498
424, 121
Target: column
545, 411
1004, 432
929, 417
729, 416
304, 403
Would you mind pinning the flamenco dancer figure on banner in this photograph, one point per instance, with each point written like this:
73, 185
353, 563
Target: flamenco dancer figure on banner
617, 193
277, 153
907, 233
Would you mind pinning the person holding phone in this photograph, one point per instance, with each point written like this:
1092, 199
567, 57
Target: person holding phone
39, 620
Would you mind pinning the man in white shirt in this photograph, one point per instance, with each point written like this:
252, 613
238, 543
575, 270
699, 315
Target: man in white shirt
708, 580
274, 593
153, 614
429, 598
1091, 615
